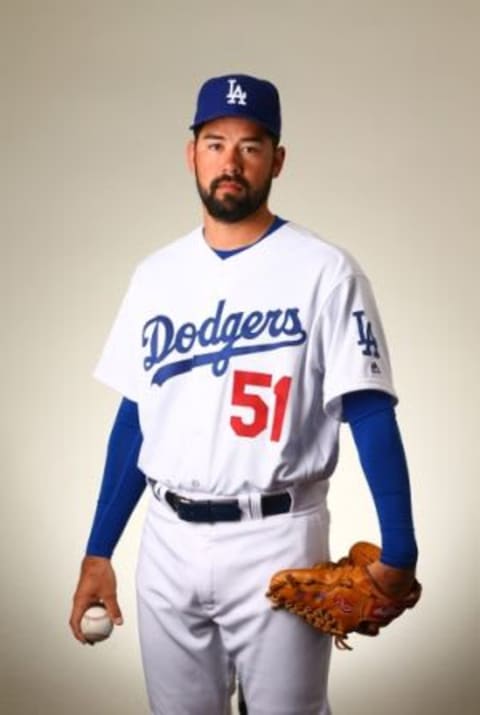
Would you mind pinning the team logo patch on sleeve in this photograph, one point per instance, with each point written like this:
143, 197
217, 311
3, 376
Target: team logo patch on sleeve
217, 339
366, 338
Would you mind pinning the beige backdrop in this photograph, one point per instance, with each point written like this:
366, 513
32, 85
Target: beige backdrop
381, 123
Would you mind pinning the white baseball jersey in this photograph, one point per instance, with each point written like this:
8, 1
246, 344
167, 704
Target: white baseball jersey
238, 366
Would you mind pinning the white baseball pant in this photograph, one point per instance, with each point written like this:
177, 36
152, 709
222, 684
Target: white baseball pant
202, 609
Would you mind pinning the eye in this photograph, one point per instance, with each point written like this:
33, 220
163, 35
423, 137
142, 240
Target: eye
214, 146
251, 149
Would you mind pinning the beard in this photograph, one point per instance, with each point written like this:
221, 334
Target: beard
231, 208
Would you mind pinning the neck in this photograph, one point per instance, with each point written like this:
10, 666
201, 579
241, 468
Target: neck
236, 235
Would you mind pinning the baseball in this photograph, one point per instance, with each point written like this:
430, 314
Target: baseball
96, 625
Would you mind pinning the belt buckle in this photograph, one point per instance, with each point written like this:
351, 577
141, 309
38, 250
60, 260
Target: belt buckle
207, 511
197, 511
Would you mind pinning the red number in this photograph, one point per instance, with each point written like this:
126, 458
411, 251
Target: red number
241, 380
260, 409
282, 390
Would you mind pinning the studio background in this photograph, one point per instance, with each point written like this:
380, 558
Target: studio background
381, 115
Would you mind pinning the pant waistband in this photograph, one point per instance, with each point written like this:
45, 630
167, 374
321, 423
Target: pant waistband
253, 505
211, 511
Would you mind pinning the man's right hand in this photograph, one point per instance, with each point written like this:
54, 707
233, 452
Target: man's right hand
97, 584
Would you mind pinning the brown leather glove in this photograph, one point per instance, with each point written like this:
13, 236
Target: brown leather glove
340, 597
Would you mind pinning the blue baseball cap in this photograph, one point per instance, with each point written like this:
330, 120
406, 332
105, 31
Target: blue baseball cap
239, 95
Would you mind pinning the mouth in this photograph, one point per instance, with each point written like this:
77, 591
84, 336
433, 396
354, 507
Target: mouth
231, 186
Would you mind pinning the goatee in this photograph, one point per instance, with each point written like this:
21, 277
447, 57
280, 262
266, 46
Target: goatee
231, 207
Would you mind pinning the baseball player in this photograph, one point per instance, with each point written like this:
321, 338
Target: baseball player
238, 350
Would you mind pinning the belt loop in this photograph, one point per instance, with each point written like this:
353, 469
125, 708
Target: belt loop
255, 499
292, 492
244, 504
158, 490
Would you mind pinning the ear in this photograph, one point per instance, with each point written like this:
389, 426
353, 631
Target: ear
278, 160
190, 155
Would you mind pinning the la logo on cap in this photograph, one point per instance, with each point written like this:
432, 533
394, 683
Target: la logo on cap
239, 95
235, 94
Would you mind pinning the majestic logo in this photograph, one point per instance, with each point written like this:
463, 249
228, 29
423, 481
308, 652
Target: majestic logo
366, 337
235, 94
230, 334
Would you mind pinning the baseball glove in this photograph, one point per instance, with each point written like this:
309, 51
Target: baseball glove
340, 597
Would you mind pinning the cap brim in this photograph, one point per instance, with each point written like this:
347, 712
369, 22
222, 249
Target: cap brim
211, 118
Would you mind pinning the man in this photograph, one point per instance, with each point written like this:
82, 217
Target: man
238, 350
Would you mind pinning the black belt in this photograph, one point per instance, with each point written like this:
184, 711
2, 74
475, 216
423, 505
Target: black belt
210, 511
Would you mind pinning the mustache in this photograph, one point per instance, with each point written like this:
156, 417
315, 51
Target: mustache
230, 179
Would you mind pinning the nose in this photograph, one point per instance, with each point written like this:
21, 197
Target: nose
233, 163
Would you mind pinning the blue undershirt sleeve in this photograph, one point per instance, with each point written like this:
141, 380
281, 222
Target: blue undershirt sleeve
122, 483
372, 420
